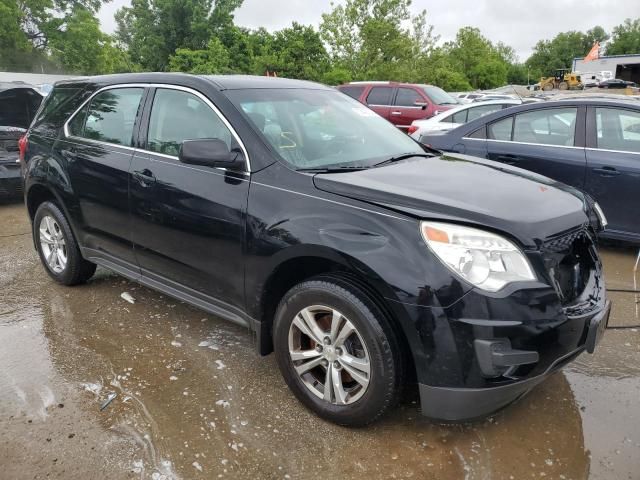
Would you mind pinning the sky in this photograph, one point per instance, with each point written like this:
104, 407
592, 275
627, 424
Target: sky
518, 23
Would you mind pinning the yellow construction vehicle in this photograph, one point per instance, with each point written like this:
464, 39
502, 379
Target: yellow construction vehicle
563, 79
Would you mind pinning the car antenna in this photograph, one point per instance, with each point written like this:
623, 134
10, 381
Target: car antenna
516, 92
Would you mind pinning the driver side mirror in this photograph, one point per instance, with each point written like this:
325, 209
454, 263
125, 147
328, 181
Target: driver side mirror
419, 103
211, 152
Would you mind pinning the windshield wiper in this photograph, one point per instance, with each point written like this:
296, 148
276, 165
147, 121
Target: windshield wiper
404, 156
330, 169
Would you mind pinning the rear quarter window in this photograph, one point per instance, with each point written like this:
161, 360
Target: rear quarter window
59, 105
353, 92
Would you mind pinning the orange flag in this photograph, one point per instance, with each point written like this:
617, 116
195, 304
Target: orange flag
594, 53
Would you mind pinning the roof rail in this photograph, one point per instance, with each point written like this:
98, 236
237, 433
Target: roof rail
385, 82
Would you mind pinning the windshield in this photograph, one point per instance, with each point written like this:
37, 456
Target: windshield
439, 96
320, 128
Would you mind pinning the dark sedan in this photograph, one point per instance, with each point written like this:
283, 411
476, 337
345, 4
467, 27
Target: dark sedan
616, 83
590, 144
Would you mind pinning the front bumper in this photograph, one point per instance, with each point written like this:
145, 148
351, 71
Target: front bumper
10, 180
460, 403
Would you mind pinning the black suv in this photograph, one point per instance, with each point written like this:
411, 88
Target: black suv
366, 261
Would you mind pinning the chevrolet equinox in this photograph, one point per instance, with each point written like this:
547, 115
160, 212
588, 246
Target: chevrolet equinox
366, 261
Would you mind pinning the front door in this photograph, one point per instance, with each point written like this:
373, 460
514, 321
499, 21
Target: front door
546, 141
408, 106
188, 220
613, 166
98, 149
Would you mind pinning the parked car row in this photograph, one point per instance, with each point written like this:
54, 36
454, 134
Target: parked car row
363, 259
400, 103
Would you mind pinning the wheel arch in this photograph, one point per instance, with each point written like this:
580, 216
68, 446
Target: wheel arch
301, 265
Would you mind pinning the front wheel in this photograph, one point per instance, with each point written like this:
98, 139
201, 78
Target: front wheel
57, 247
337, 352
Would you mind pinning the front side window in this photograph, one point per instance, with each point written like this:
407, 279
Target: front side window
550, 126
177, 116
320, 129
112, 115
439, 96
618, 129
379, 96
408, 97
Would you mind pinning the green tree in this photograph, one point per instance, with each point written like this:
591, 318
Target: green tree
81, 47
31, 33
625, 38
214, 59
473, 55
368, 39
152, 30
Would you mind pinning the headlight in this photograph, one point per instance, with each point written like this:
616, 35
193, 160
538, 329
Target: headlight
484, 259
601, 217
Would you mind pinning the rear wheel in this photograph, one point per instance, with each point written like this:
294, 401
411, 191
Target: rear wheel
336, 352
563, 86
57, 247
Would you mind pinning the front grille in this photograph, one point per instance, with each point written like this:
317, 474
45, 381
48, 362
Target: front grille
574, 269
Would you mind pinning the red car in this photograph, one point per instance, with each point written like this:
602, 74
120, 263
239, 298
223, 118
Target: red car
400, 103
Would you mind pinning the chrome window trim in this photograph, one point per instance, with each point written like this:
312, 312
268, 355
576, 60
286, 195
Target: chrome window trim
157, 85
595, 149
524, 143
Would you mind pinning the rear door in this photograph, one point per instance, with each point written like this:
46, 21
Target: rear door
379, 100
409, 105
98, 148
188, 219
548, 141
613, 165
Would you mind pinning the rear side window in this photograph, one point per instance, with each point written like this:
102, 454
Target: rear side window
550, 126
379, 96
352, 91
408, 97
482, 110
112, 115
177, 116
618, 129
500, 130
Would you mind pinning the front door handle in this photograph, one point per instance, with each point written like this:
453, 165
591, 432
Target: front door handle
396, 113
606, 171
145, 177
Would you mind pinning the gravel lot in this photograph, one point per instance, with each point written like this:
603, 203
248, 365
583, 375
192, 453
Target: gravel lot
194, 400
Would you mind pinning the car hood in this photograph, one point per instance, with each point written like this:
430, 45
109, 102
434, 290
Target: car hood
466, 189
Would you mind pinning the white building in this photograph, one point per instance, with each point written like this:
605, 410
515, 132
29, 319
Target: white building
626, 67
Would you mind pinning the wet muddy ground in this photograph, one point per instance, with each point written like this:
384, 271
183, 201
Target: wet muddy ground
190, 398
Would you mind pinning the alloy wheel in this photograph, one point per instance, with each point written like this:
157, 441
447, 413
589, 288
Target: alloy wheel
329, 355
53, 244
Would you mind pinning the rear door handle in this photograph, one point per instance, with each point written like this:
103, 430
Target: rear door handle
145, 177
508, 159
396, 113
606, 171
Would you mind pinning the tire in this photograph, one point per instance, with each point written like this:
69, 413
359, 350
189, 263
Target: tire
373, 345
548, 87
51, 231
563, 86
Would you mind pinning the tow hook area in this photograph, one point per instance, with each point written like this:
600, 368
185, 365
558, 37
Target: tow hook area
496, 357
